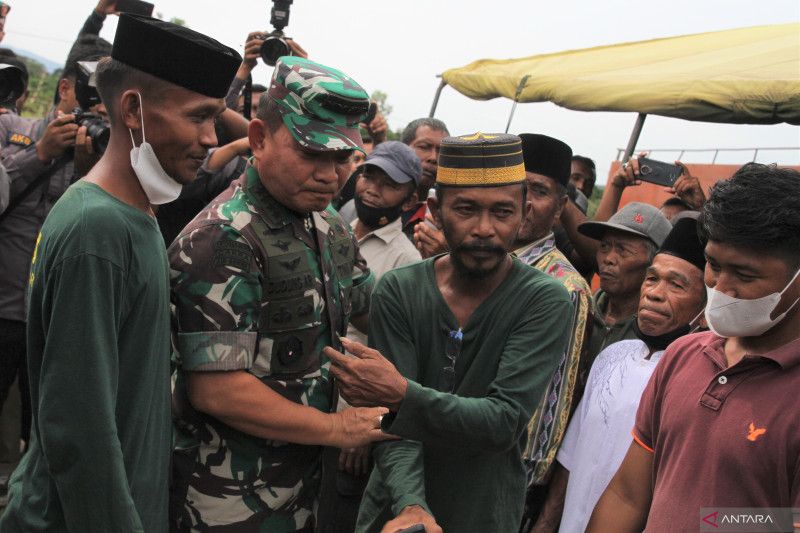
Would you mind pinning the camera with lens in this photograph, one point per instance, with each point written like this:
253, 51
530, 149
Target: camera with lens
275, 45
86, 93
13, 81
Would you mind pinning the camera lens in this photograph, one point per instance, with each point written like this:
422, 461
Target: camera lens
272, 48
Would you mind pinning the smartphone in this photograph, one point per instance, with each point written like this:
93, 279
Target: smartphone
658, 172
135, 7
416, 528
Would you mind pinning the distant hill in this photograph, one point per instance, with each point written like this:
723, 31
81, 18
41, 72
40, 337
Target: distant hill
49, 65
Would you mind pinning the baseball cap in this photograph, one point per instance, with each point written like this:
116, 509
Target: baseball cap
321, 106
398, 160
635, 218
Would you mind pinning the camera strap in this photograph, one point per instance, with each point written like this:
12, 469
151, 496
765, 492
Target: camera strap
32, 186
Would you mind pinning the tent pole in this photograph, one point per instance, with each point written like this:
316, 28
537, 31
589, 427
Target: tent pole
637, 130
520, 87
436, 98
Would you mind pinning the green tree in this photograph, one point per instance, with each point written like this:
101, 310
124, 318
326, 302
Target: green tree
41, 88
381, 98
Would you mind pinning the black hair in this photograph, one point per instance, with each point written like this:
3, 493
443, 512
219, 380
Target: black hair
269, 112
410, 131
112, 77
758, 208
675, 201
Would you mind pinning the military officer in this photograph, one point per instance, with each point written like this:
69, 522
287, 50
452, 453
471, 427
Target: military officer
263, 279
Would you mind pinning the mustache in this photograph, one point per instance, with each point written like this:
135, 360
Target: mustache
480, 247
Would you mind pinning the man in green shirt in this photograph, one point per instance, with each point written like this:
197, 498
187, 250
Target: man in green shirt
98, 321
470, 339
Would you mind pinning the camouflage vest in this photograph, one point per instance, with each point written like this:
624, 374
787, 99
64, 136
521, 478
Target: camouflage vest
307, 277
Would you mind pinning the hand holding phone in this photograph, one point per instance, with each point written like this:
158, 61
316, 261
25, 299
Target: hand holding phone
658, 172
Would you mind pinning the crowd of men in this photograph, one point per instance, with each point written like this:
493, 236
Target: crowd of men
291, 323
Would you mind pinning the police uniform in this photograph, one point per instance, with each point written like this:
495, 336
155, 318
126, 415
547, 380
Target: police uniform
260, 288
18, 231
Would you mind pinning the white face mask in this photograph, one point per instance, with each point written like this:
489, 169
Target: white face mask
157, 185
733, 317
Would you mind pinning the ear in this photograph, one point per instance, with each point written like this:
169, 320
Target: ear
435, 210
130, 110
257, 135
561, 203
411, 201
64, 85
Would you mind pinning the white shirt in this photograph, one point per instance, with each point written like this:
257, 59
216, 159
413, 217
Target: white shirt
384, 249
599, 434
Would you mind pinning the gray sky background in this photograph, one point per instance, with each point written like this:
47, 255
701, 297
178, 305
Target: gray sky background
399, 47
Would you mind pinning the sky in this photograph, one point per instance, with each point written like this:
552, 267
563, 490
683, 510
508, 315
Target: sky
399, 47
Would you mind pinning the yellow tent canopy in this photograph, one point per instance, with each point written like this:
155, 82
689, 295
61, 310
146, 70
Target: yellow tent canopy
747, 76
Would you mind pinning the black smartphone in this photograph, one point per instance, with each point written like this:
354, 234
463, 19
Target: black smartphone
658, 172
135, 7
417, 528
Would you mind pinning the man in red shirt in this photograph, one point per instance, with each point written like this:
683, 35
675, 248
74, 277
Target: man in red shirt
717, 423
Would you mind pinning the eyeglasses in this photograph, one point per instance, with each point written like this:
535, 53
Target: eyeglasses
452, 349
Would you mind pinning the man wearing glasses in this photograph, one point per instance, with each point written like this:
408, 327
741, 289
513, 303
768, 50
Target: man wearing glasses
462, 348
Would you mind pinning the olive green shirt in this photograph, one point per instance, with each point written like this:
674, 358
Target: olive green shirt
603, 334
461, 453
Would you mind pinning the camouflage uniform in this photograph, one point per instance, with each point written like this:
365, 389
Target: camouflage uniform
257, 288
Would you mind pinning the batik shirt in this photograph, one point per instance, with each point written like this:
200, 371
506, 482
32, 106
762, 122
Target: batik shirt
549, 421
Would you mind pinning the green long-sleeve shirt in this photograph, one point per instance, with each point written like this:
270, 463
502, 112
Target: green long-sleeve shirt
461, 454
98, 359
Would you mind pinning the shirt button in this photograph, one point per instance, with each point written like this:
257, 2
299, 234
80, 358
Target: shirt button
722, 380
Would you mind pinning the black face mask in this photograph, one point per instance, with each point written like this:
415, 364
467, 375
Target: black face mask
377, 217
660, 342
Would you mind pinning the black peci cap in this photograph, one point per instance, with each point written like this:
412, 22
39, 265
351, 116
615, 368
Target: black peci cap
547, 156
684, 242
175, 54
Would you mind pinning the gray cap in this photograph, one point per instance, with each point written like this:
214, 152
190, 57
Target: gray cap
635, 218
398, 160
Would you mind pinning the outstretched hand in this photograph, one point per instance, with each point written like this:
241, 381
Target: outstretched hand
366, 378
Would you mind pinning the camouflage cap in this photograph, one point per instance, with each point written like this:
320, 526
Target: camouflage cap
321, 106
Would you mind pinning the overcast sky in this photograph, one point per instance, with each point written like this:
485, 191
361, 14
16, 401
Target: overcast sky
400, 46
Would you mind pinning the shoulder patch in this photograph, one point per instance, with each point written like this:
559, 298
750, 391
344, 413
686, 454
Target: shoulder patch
19, 139
232, 254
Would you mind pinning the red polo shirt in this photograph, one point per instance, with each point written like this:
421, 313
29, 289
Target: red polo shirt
721, 436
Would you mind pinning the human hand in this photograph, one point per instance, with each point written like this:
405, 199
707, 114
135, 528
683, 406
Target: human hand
688, 188
411, 516
358, 426
296, 49
106, 7
355, 461
367, 378
85, 156
377, 128
627, 174
252, 50
58, 136
429, 239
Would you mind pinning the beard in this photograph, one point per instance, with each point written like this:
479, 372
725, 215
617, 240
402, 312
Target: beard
464, 270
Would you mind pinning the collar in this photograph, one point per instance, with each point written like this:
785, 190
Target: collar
275, 214
387, 233
534, 251
787, 356
417, 214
